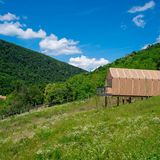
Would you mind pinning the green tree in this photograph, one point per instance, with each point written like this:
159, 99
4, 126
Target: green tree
56, 93
22, 99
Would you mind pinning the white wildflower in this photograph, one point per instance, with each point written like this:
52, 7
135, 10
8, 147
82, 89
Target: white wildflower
156, 120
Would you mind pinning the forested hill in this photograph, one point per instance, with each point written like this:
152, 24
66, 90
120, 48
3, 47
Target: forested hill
78, 87
21, 64
148, 58
84, 85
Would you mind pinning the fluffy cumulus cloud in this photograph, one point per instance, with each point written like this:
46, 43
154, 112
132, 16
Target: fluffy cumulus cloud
16, 29
86, 63
146, 6
51, 45
10, 26
139, 21
8, 17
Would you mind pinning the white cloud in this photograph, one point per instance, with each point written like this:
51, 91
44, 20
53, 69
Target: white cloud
149, 44
87, 63
158, 39
16, 29
8, 17
51, 45
138, 20
145, 46
146, 6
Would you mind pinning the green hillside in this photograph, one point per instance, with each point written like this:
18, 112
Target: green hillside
82, 130
79, 130
78, 87
144, 59
20, 64
84, 85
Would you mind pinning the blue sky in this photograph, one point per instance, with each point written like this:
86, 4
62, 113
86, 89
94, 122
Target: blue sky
83, 33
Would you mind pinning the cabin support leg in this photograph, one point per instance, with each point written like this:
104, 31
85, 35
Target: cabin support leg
123, 100
106, 101
130, 99
147, 97
117, 101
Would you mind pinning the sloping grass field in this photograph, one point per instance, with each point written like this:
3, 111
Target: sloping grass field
79, 130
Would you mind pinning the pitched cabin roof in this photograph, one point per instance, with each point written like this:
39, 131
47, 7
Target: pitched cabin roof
134, 73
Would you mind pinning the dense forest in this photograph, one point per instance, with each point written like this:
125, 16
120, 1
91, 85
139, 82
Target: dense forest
21, 65
84, 85
77, 87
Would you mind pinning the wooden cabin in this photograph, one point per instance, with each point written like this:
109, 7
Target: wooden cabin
132, 82
3, 97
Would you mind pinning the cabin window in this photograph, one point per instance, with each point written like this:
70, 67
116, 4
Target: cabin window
109, 82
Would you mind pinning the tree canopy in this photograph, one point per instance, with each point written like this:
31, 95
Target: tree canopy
21, 64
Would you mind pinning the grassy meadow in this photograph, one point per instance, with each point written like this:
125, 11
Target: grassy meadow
82, 130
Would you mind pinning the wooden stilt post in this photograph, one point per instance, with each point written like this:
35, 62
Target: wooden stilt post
130, 99
106, 101
118, 101
123, 100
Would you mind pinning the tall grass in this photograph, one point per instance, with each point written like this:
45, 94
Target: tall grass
80, 130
